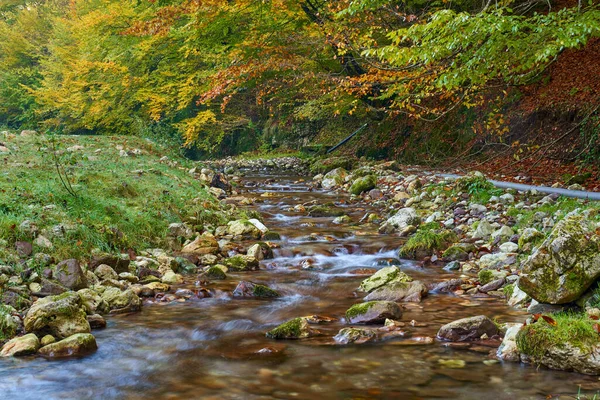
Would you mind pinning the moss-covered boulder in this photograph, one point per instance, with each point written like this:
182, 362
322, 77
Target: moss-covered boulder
60, 316
383, 277
467, 329
325, 210
399, 291
121, 301
373, 312
334, 178
93, 302
363, 184
297, 328
458, 252
404, 218
565, 265
355, 335
241, 263
75, 345
425, 242
216, 272
243, 228
570, 343
21, 346
256, 290
529, 238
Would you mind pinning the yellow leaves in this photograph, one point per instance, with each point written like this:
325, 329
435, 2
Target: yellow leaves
193, 127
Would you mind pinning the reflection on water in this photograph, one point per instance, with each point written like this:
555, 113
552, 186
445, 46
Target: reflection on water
216, 348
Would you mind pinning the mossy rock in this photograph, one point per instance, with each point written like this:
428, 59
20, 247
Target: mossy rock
373, 312
565, 265
75, 345
241, 263
458, 252
425, 242
363, 184
485, 276
60, 316
329, 164
216, 272
383, 277
297, 328
251, 289
325, 211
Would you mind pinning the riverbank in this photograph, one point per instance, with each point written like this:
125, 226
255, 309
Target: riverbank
200, 317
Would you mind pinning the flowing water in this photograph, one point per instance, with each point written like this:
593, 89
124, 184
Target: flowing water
216, 347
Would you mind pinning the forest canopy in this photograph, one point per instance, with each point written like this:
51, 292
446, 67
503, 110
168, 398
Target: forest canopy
205, 69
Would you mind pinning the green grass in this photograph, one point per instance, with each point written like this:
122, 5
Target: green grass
478, 187
427, 240
573, 328
120, 202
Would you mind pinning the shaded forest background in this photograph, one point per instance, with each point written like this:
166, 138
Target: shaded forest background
436, 80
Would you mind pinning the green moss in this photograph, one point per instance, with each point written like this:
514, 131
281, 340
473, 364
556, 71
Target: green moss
363, 184
216, 273
7, 329
359, 309
321, 166
325, 211
292, 329
485, 276
425, 241
455, 253
237, 263
573, 328
508, 290
264, 291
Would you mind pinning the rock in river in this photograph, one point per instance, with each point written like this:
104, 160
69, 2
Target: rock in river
467, 329
373, 312
21, 346
297, 328
61, 316
75, 345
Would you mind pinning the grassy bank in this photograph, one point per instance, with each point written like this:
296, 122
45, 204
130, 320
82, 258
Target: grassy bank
98, 192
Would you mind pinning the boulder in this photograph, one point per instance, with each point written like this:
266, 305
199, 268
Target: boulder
355, 335
399, 291
118, 263
468, 329
565, 265
216, 272
203, 244
92, 302
21, 346
484, 230
75, 345
241, 263
121, 301
243, 228
373, 312
70, 275
172, 278
60, 316
363, 184
404, 218
297, 328
384, 276
334, 178
104, 271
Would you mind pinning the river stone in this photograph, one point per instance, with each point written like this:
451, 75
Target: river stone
297, 328
203, 244
69, 274
334, 178
118, 263
509, 247
21, 346
458, 252
568, 357
399, 291
50, 288
382, 277
46, 340
467, 329
483, 230
61, 316
404, 218
355, 335
75, 345
121, 301
363, 184
373, 312
92, 302
243, 228
241, 263
565, 265
172, 278
96, 321
216, 272
259, 225
518, 297
104, 271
